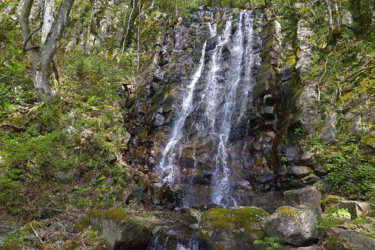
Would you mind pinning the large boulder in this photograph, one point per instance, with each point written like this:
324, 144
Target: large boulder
222, 228
309, 196
348, 240
119, 230
295, 226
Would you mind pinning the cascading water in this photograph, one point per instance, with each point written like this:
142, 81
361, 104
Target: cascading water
167, 167
215, 103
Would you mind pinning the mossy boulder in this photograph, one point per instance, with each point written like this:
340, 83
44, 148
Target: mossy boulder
119, 230
295, 226
222, 228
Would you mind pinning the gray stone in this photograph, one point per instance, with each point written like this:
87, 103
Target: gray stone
358, 240
295, 226
307, 107
309, 196
305, 54
348, 240
158, 120
328, 133
300, 248
300, 170
310, 179
357, 208
87, 133
70, 131
356, 125
245, 185
120, 231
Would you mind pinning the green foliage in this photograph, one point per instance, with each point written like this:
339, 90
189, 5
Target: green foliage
10, 193
96, 67
15, 239
90, 234
268, 242
28, 150
284, 159
333, 218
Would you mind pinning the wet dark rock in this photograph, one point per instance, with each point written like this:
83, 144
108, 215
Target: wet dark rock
176, 237
263, 178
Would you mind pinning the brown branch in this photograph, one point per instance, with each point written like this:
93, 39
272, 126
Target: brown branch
37, 235
30, 36
357, 72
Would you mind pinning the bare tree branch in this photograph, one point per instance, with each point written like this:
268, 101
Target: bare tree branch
364, 68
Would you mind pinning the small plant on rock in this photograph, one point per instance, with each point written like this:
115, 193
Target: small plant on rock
268, 242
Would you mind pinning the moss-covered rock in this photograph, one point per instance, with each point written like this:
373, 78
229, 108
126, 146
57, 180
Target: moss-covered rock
295, 226
119, 230
222, 228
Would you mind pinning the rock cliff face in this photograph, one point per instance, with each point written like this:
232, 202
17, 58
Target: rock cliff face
211, 117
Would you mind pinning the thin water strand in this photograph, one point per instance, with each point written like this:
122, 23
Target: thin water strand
166, 166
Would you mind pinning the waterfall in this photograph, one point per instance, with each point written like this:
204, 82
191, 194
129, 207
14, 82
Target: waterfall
220, 179
215, 103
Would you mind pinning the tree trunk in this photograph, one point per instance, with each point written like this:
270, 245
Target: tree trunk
42, 55
130, 24
333, 20
49, 6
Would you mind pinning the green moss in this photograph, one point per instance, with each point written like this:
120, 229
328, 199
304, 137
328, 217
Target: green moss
143, 133
70, 245
334, 243
369, 140
330, 199
233, 218
32, 225
82, 224
115, 214
289, 212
